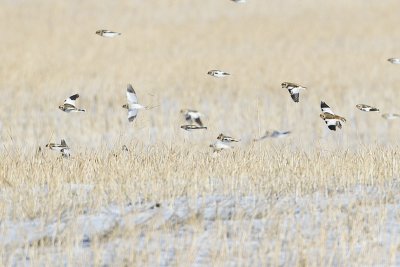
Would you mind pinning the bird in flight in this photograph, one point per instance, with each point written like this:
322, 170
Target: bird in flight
192, 116
132, 105
218, 73
331, 120
239, 1
69, 104
226, 139
390, 116
294, 90
191, 127
274, 134
366, 108
108, 34
394, 60
63, 148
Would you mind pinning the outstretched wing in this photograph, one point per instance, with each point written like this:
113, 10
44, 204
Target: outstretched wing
198, 121
63, 143
326, 109
294, 93
71, 100
132, 113
131, 95
331, 124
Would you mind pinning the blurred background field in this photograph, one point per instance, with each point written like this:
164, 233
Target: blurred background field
314, 198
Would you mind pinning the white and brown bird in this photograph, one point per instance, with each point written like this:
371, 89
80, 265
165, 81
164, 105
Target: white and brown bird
191, 127
132, 105
274, 134
331, 120
294, 90
218, 73
69, 104
192, 116
366, 108
219, 145
239, 1
107, 33
226, 139
62, 147
394, 60
390, 116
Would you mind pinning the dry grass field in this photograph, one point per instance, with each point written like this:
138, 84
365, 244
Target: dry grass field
315, 198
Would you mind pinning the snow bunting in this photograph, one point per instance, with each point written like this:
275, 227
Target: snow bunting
226, 139
132, 106
192, 115
394, 60
367, 108
331, 120
390, 116
63, 148
108, 34
218, 73
220, 145
274, 134
69, 105
192, 127
294, 90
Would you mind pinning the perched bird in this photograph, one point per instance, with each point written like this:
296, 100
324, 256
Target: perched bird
226, 139
220, 145
63, 148
367, 108
192, 115
132, 106
331, 120
390, 116
108, 34
69, 105
394, 60
294, 90
274, 134
218, 73
192, 127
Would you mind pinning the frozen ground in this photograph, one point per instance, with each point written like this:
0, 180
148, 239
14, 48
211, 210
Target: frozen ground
360, 226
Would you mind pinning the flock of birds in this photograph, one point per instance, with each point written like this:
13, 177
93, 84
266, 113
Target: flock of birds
193, 117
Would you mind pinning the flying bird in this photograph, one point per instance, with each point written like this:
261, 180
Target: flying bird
331, 120
218, 73
69, 104
390, 116
394, 60
366, 108
294, 90
239, 1
219, 146
192, 115
62, 147
132, 106
191, 127
108, 34
274, 134
226, 139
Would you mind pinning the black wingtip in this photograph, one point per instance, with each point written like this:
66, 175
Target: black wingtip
74, 97
130, 88
332, 127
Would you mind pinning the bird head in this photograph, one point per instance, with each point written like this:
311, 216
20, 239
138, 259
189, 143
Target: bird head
125, 106
61, 107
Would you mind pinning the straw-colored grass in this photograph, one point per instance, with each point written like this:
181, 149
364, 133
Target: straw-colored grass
315, 198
